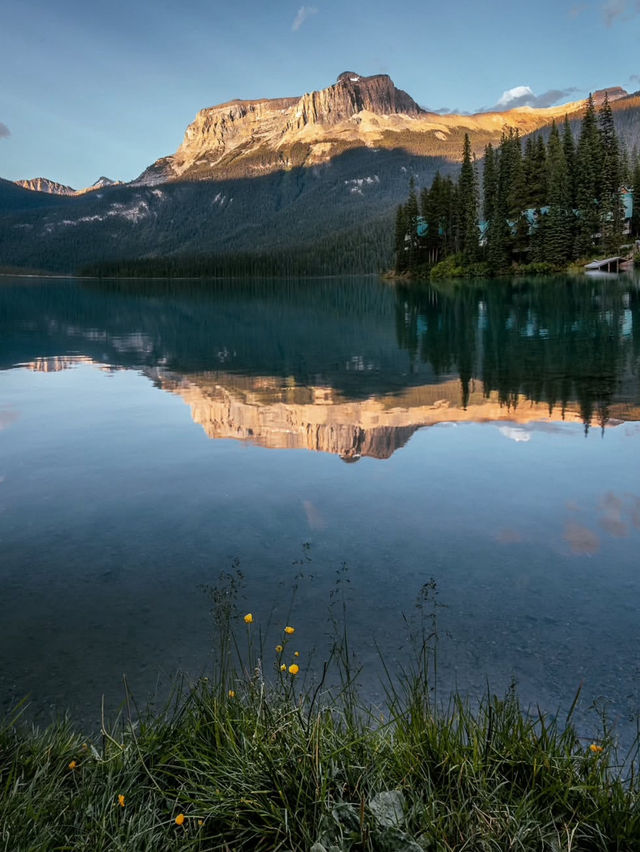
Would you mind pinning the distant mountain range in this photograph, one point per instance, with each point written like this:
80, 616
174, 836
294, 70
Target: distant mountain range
45, 185
321, 172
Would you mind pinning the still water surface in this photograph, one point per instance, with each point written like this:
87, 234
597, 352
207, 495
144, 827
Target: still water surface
152, 434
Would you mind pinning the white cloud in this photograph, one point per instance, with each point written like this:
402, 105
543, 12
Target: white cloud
518, 93
304, 12
520, 96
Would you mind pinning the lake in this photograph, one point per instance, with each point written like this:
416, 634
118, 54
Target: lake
320, 435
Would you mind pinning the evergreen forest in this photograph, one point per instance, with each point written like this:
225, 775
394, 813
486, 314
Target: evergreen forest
534, 205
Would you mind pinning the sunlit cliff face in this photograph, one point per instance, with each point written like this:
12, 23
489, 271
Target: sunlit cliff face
253, 137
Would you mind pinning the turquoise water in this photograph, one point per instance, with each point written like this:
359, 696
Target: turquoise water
153, 435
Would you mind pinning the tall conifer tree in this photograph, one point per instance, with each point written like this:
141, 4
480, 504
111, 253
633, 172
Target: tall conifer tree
499, 232
611, 212
558, 230
569, 148
468, 232
489, 182
588, 181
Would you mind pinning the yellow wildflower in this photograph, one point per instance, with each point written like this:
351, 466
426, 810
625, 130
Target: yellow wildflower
73, 764
283, 668
121, 800
596, 749
279, 649
200, 822
248, 618
296, 653
294, 669
232, 694
179, 819
289, 630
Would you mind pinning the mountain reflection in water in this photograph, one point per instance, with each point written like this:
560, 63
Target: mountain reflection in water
352, 368
115, 510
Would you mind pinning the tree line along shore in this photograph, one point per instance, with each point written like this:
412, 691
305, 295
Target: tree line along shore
538, 207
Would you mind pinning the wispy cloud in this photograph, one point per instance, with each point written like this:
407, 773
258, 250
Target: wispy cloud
520, 96
447, 111
304, 12
634, 78
4, 131
620, 9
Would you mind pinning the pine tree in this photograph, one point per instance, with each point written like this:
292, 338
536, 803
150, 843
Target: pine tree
498, 231
468, 231
558, 235
611, 212
569, 149
588, 181
528, 165
515, 179
489, 182
535, 172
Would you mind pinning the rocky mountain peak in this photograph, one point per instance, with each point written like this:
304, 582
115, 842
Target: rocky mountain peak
240, 138
41, 184
614, 93
350, 94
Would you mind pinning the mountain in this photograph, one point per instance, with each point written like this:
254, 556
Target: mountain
250, 138
614, 93
15, 198
51, 186
41, 184
253, 138
312, 181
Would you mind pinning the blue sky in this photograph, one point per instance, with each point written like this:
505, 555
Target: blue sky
91, 87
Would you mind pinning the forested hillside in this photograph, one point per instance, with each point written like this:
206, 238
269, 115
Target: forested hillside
540, 202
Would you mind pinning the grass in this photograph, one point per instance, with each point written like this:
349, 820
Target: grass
250, 761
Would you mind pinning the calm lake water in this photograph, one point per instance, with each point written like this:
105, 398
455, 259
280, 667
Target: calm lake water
154, 434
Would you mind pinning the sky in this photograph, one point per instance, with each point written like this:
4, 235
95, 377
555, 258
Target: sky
106, 87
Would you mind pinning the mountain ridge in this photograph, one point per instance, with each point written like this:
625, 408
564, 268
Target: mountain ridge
248, 138
52, 187
311, 180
